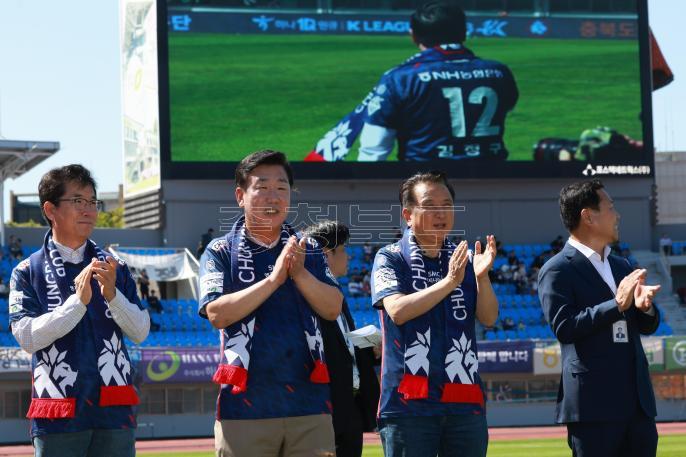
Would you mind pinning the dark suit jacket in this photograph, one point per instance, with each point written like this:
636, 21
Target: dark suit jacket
339, 362
601, 380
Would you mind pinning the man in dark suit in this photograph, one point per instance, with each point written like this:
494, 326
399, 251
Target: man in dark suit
354, 385
598, 308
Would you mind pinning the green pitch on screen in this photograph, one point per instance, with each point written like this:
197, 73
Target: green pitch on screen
234, 94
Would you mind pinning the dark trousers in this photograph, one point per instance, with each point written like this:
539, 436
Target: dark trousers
89, 443
349, 440
634, 437
444, 436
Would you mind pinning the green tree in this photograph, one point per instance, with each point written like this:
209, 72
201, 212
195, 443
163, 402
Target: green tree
111, 219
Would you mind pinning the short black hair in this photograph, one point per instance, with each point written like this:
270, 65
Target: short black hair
577, 196
406, 194
439, 22
328, 234
265, 157
53, 184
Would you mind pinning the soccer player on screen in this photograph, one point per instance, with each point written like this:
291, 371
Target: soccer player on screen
442, 103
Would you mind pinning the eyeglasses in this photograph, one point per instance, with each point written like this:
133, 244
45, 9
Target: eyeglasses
83, 204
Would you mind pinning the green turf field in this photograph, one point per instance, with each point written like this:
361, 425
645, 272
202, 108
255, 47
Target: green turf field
669, 446
233, 94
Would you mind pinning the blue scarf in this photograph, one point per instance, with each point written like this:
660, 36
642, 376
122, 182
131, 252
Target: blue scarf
56, 368
337, 142
236, 339
461, 381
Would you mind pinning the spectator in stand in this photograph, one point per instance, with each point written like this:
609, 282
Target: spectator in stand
539, 260
16, 250
355, 288
505, 274
508, 323
368, 252
367, 286
144, 284
521, 279
499, 249
557, 244
666, 244
521, 325
154, 302
512, 259
533, 280
4, 290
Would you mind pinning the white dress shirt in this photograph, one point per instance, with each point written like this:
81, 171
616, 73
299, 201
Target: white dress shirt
36, 333
602, 266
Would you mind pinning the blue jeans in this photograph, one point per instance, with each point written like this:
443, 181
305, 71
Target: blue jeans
445, 436
89, 443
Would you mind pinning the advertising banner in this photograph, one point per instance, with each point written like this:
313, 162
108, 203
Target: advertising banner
506, 357
182, 20
178, 365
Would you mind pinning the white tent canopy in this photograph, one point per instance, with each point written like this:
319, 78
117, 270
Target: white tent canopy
163, 264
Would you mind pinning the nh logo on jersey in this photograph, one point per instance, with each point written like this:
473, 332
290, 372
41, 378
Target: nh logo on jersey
417, 356
112, 362
462, 361
52, 374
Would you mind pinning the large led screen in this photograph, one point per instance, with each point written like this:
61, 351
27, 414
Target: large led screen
561, 96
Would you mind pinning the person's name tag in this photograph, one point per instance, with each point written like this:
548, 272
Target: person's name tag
620, 333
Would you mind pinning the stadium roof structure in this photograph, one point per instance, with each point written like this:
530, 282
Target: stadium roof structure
16, 158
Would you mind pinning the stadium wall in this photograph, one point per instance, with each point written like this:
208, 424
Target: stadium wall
516, 211
33, 236
201, 425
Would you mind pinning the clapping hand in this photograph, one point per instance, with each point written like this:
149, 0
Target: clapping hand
627, 287
643, 295
106, 274
484, 261
82, 283
458, 263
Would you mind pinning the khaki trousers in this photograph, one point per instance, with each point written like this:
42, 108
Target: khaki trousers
302, 436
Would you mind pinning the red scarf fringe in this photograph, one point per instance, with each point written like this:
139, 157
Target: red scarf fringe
118, 396
233, 375
52, 408
462, 393
320, 373
414, 387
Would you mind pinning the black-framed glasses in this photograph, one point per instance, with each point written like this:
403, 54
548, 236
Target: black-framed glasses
84, 204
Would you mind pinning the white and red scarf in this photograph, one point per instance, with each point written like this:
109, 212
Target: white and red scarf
460, 375
56, 379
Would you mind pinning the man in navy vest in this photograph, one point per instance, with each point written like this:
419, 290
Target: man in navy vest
429, 293
598, 308
70, 306
443, 103
265, 290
